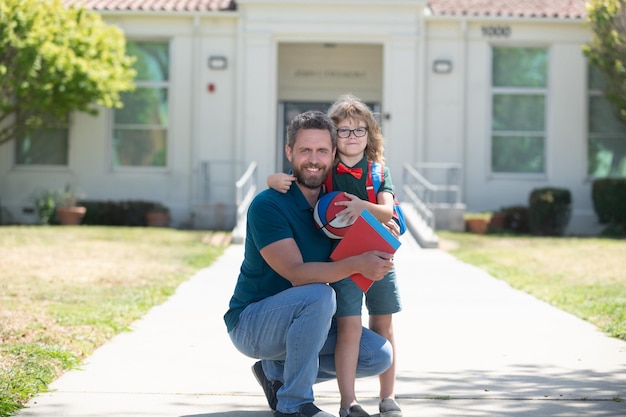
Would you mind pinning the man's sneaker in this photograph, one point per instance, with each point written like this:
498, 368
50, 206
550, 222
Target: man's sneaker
307, 410
354, 411
389, 408
269, 388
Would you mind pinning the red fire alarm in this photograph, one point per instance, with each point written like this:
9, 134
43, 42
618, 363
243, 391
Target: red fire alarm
211, 88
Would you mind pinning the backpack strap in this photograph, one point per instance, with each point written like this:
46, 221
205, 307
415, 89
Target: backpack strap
375, 175
327, 186
374, 180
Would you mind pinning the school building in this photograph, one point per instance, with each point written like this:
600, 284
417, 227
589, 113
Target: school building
496, 94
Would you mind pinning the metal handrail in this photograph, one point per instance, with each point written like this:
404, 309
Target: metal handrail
245, 187
420, 193
419, 185
452, 184
427, 197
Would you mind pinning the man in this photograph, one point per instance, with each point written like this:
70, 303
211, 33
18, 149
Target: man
282, 309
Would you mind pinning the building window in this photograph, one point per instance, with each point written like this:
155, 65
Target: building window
607, 134
47, 146
518, 100
140, 132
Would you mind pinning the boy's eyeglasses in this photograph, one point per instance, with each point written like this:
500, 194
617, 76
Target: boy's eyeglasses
345, 133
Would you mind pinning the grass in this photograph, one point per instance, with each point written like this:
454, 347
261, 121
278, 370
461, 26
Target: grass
583, 276
64, 291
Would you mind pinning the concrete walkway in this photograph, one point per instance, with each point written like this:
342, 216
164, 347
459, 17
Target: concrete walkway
469, 345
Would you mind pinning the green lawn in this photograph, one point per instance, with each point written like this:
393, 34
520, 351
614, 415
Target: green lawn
64, 291
584, 276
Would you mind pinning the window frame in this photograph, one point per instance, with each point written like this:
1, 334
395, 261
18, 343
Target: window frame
168, 86
516, 90
597, 92
45, 167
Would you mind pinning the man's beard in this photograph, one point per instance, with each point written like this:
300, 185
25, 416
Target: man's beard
310, 181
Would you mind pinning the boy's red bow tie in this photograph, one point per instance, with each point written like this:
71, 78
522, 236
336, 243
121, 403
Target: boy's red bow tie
355, 172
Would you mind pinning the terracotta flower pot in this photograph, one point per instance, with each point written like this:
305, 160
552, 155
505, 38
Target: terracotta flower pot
157, 219
70, 216
476, 226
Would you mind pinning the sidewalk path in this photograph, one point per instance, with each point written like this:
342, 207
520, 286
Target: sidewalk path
468, 345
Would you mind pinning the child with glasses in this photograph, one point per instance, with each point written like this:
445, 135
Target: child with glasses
359, 140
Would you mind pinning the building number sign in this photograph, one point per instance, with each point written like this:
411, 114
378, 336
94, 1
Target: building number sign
496, 31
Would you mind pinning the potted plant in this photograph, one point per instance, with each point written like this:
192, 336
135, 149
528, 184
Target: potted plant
158, 215
45, 205
68, 212
477, 222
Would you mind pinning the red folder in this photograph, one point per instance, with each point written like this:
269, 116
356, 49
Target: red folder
365, 234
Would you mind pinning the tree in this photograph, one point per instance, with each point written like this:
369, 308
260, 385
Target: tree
55, 60
607, 50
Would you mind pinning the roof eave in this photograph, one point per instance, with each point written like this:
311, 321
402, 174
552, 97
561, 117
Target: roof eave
509, 18
168, 13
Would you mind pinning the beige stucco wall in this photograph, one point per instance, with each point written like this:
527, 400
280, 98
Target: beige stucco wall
201, 128
427, 117
458, 113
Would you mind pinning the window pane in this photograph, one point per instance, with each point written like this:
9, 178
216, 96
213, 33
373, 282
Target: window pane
520, 67
147, 106
140, 127
606, 145
517, 154
518, 112
140, 147
43, 147
607, 157
602, 117
152, 62
596, 79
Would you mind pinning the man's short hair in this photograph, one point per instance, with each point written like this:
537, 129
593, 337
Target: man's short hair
311, 120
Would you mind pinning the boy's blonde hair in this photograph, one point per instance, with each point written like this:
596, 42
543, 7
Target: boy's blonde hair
350, 107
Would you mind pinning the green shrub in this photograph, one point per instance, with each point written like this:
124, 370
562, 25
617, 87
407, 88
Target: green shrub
609, 200
116, 213
549, 211
516, 219
45, 205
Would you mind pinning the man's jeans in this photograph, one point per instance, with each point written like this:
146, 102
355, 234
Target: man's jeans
295, 335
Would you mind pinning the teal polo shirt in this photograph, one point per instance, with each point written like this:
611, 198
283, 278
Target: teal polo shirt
273, 216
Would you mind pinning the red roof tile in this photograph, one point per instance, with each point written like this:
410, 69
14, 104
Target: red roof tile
156, 5
556, 9
559, 9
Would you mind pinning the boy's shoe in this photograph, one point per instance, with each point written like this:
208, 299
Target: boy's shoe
307, 410
269, 388
389, 408
354, 411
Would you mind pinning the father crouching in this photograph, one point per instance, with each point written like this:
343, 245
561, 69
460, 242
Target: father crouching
282, 308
